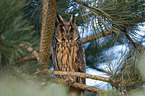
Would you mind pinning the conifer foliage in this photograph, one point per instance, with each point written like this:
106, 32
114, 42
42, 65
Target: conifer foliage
14, 29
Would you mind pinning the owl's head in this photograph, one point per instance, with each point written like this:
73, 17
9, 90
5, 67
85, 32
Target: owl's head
66, 31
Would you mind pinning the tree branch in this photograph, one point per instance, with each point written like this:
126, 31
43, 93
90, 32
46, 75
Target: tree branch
27, 58
76, 85
35, 53
79, 74
80, 86
133, 43
140, 18
96, 36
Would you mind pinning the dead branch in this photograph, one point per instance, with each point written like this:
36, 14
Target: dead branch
35, 53
25, 59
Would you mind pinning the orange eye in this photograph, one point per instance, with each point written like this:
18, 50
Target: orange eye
62, 31
71, 30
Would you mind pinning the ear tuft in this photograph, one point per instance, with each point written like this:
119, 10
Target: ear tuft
59, 19
72, 19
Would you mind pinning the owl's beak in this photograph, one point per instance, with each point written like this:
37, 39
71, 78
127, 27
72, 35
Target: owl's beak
67, 37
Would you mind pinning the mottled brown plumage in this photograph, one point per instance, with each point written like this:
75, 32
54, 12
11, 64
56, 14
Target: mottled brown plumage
68, 51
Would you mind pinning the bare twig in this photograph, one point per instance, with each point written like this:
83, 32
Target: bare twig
35, 53
29, 58
132, 42
25, 59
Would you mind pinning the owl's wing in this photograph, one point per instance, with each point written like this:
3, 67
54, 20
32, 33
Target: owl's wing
81, 59
54, 56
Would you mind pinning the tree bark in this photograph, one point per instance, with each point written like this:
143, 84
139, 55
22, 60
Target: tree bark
48, 25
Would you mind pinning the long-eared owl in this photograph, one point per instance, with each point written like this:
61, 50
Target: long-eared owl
68, 51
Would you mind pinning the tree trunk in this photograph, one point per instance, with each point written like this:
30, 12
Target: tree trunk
48, 25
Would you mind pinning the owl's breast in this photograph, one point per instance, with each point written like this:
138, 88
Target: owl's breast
67, 55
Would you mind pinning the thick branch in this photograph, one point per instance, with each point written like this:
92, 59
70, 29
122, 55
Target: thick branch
80, 86
96, 36
83, 75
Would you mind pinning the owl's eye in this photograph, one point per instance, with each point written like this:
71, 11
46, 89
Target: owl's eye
71, 30
62, 31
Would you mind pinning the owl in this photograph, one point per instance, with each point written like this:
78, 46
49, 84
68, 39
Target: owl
68, 51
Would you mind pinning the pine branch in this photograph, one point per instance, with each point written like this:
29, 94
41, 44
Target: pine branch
132, 42
79, 74
96, 36
80, 86
82, 3
140, 18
